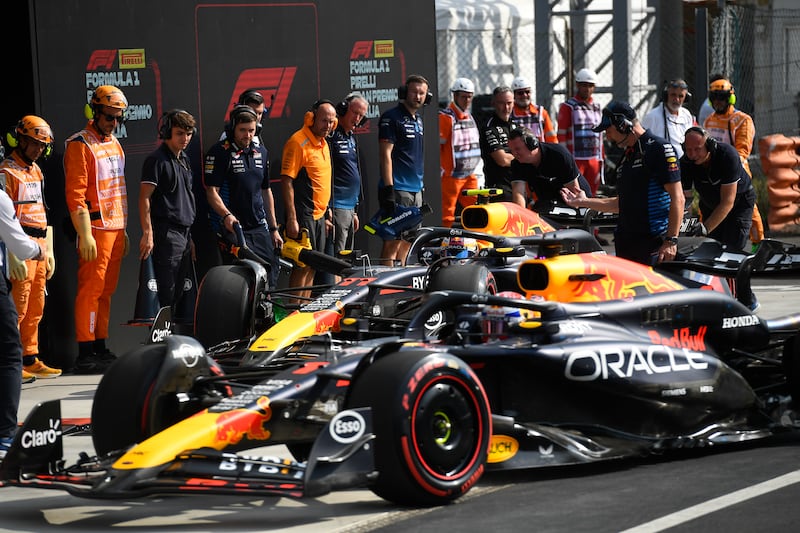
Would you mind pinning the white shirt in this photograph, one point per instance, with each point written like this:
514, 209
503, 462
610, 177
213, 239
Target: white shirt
676, 125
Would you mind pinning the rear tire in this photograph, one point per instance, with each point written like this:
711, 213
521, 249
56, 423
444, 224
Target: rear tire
224, 310
432, 424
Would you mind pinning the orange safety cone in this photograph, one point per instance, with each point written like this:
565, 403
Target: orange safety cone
184, 307
147, 296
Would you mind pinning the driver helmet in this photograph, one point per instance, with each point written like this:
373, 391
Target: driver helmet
497, 320
459, 247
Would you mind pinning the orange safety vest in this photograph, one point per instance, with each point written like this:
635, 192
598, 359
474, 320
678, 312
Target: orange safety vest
25, 183
94, 171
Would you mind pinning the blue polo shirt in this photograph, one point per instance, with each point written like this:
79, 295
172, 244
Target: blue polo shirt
404, 130
346, 173
641, 175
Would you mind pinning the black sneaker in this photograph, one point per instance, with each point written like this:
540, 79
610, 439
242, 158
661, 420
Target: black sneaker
91, 364
106, 355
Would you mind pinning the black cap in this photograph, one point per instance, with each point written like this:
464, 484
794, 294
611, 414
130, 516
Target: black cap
614, 109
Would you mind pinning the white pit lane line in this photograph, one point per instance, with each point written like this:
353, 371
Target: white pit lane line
716, 504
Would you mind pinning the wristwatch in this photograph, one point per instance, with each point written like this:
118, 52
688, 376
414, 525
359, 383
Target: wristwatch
671, 240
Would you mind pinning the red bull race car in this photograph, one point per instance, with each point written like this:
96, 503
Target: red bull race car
235, 317
418, 418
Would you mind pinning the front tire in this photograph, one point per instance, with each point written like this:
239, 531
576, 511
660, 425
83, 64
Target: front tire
432, 424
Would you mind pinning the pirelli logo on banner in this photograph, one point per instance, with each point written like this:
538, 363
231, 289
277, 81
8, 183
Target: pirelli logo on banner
131, 58
384, 48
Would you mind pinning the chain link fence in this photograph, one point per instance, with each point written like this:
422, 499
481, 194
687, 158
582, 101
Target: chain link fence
634, 51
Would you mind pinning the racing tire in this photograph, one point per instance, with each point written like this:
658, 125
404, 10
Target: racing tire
469, 277
118, 407
127, 407
224, 305
432, 426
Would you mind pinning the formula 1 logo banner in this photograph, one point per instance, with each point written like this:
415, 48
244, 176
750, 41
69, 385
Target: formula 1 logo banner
137, 77
247, 54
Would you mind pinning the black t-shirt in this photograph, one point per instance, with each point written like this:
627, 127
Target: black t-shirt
493, 137
723, 168
556, 168
173, 199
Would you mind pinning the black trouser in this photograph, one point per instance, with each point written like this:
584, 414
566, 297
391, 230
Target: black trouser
10, 362
640, 248
171, 246
734, 230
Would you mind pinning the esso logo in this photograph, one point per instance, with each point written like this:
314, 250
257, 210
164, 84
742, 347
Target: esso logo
347, 427
435, 321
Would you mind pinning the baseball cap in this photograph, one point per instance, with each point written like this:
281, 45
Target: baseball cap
614, 109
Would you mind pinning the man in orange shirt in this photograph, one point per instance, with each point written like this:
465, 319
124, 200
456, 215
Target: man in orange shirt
459, 150
526, 114
94, 168
306, 172
23, 181
731, 126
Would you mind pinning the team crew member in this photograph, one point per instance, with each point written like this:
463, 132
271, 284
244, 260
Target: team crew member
236, 178
731, 126
352, 113
726, 194
544, 167
18, 243
459, 150
23, 181
576, 118
167, 207
402, 161
97, 199
528, 115
494, 142
306, 181
650, 197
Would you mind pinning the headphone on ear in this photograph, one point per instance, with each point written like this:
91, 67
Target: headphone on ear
311, 114
710, 142
165, 123
402, 91
239, 111
619, 121
675, 84
530, 140
12, 139
343, 106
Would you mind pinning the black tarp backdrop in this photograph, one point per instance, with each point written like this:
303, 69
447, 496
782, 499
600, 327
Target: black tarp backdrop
199, 56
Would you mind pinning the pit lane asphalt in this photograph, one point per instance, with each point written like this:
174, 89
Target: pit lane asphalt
741, 488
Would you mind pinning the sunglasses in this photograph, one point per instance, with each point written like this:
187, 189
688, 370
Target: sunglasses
524, 91
112, 118
719, 95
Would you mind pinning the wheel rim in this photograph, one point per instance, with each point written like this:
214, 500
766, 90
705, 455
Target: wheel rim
446, 428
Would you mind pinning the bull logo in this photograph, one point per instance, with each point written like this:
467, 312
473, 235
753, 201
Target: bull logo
235, 424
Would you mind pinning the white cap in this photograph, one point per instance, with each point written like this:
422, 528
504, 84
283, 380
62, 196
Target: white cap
586, 75
520, 83
463, 84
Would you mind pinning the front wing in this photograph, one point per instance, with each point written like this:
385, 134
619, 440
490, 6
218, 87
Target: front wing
35, 460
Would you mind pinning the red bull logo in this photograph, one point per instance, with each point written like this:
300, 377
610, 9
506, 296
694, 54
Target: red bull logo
504, 218
234, 425
327, 320
619, 279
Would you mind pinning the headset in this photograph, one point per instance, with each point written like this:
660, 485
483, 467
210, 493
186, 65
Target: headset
165, 123
619, 121
311, 114
402, 91
12, 139
675, 84
238, 111
530, 140
343, 106
711, 142
250, 95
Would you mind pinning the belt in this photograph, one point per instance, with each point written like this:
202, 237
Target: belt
35, 232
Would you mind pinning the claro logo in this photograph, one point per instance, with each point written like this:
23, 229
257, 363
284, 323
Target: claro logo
34, 438
273, 83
